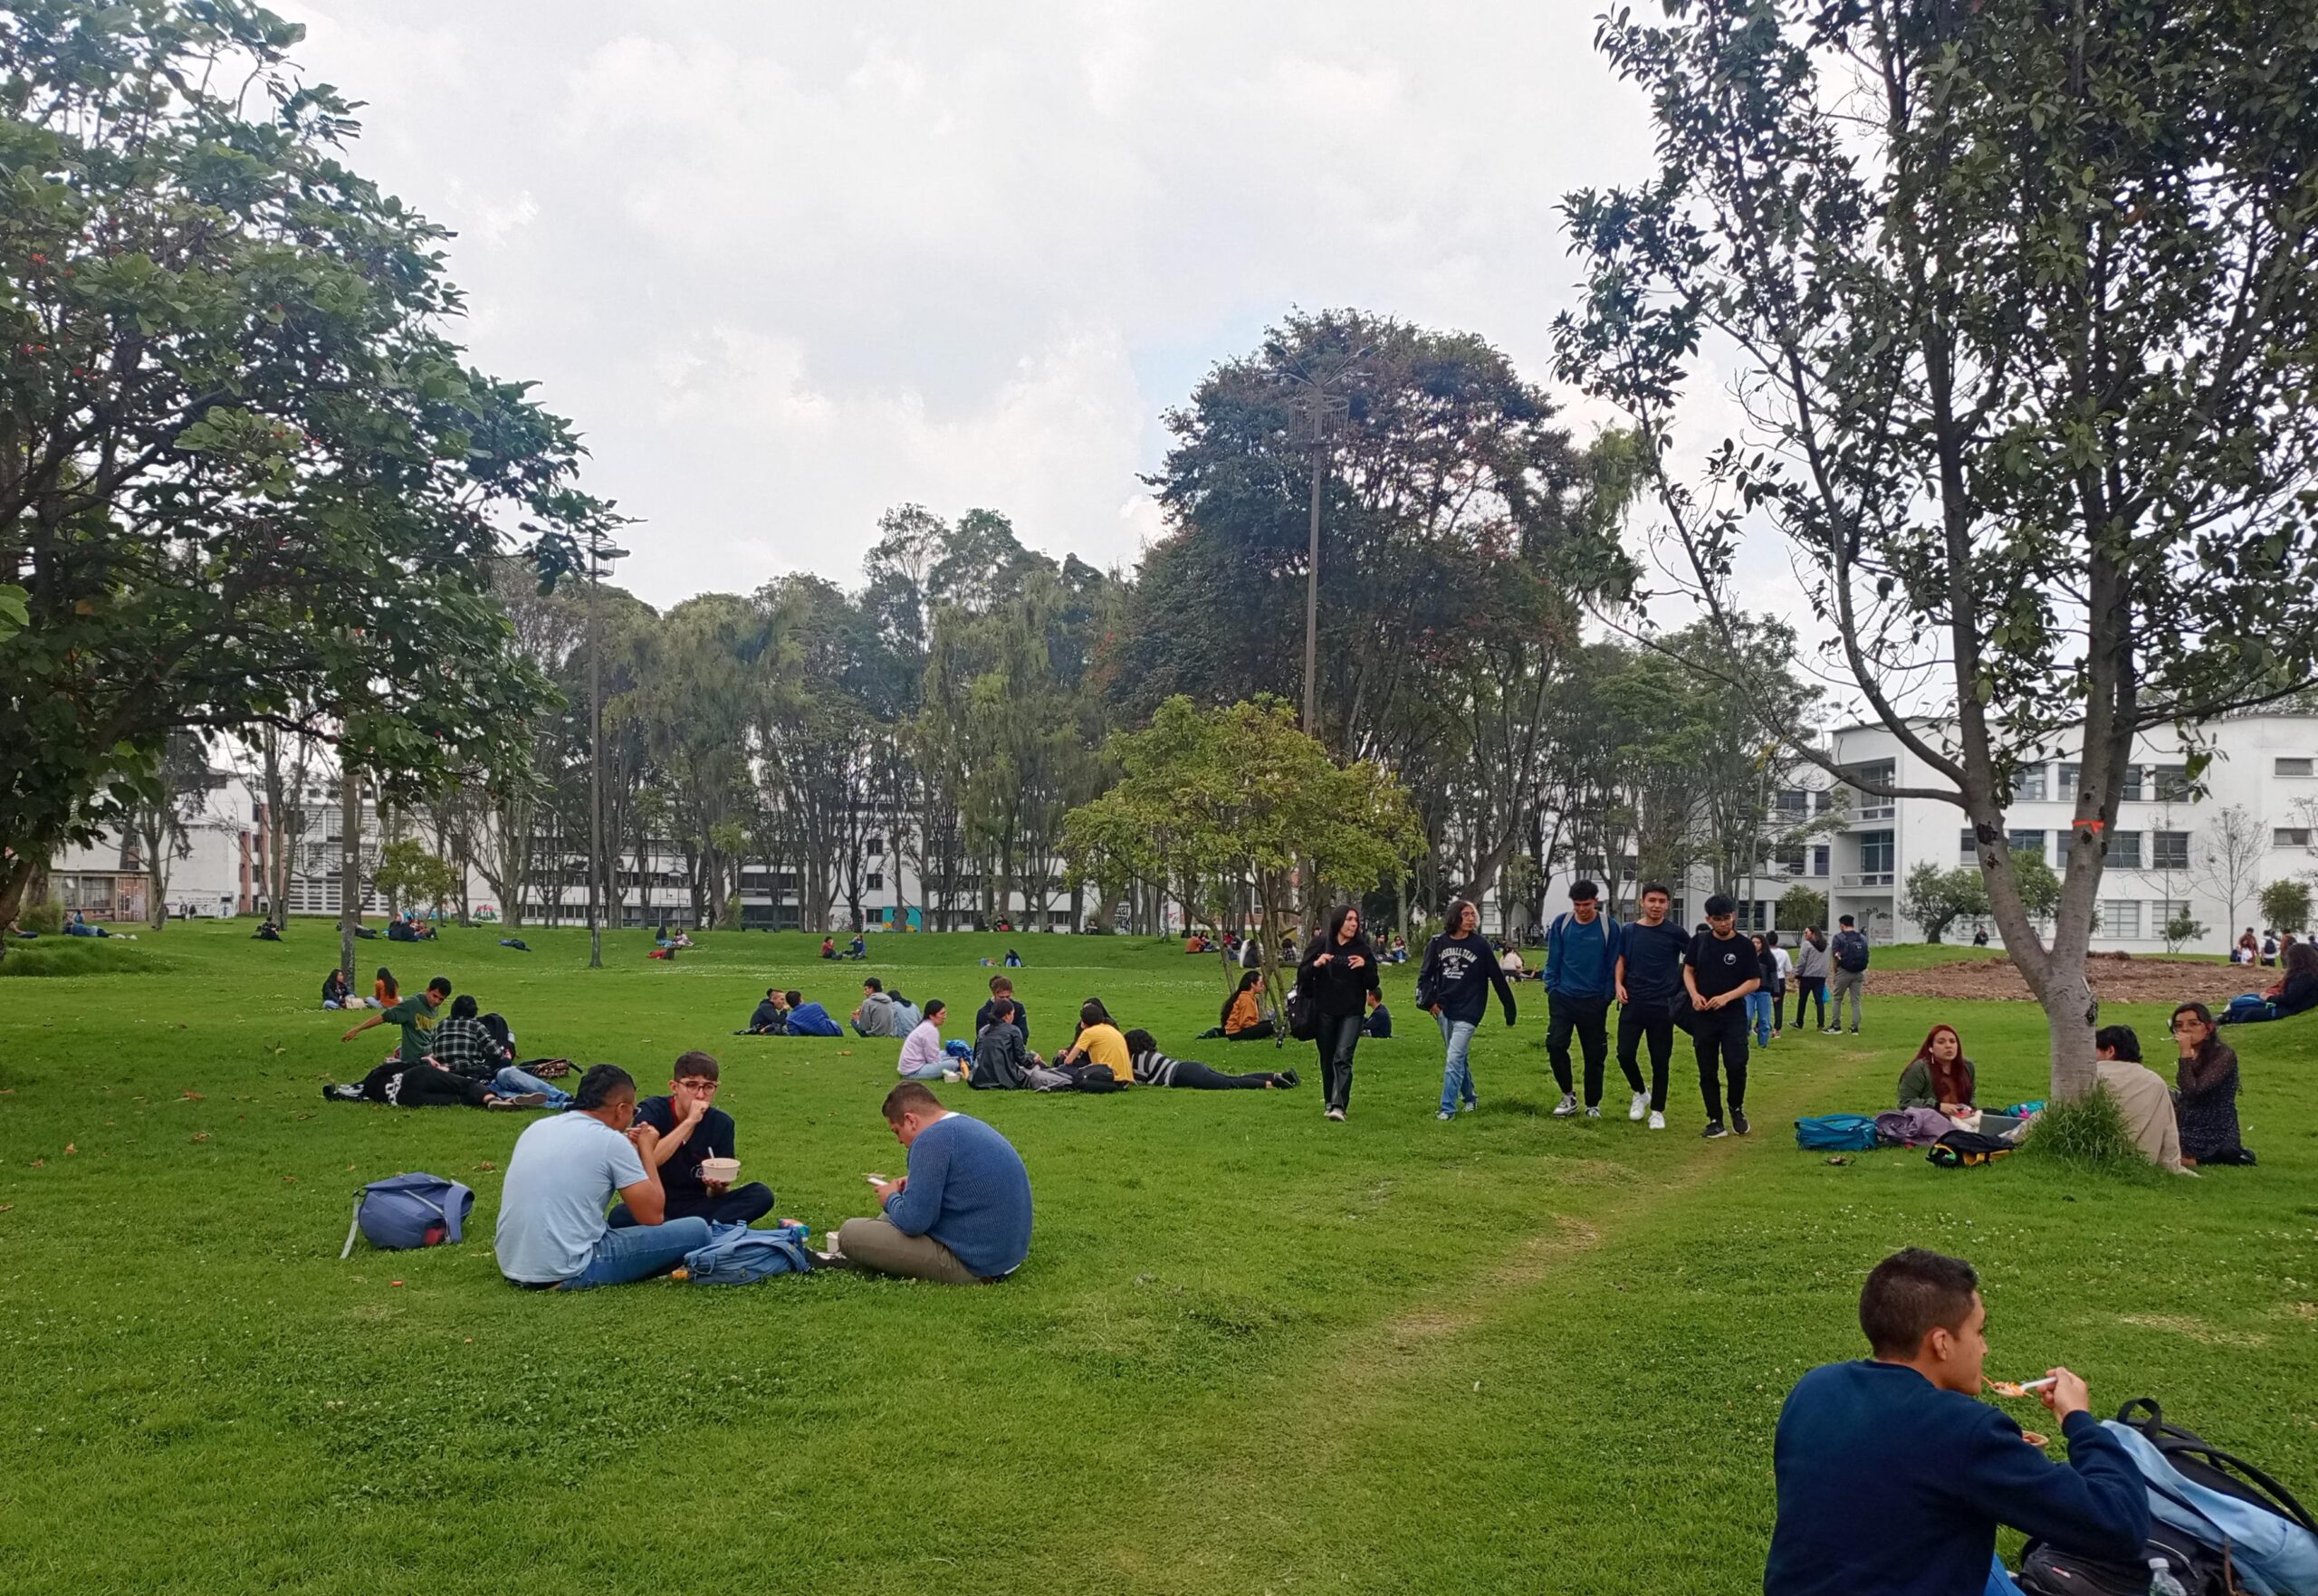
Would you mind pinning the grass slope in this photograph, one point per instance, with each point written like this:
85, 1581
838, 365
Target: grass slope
1251, 1350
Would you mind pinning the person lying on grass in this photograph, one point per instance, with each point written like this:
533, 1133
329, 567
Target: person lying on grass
464, 1043
1940, 1076
1099, 1042
922, 1056
1154, 1068
553, 1233
1893, 1475
961, 1216
691, 1130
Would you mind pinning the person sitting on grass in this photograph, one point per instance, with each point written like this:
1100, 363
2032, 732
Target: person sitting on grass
415, 1017
828, 947
690, 1129
1154, 1068
1940, 1076
552, 1234
1893, 1475
960, 1216
808, 1019
337, 991
1099, 1043
1243, 1018
877, 1016
267, 931
1003, 1059
2141, 1096
771, 1016
409, 1079
1013, 960
385, 990
2205, 1099
2297, 993
463, 1044
922, 1056
1002, 990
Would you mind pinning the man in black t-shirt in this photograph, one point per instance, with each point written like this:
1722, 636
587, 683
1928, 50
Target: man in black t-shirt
1650, 986
692, 1130
1720, 969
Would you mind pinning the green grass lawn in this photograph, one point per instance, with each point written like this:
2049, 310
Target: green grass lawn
1250, 1351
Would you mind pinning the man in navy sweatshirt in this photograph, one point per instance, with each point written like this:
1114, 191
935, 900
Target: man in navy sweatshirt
961, 1216
1893, 1475
1581, 974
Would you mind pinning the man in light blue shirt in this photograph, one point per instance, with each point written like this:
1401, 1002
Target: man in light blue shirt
552, 1231
961, 1216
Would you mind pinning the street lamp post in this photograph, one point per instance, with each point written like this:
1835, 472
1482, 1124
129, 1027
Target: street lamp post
601, 554
1323, 410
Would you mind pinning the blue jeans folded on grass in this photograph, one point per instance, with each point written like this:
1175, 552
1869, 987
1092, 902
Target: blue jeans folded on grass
639, 1253
511, 1081
1457, 1073
1762, 1012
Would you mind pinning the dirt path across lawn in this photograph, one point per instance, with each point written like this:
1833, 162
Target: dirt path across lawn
2114, 980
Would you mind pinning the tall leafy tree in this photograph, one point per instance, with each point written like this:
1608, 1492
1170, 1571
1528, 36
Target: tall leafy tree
2024, 299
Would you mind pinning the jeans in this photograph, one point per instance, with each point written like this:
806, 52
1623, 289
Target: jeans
1588, 1017
928, 1071
1845, 980
1762, 1013
1636, 1019
1339, 1035
511, 1081
639, 1253
1457, 1072
1809, 989
1719, 1037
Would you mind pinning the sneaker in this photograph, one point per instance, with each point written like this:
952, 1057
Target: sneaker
1289, 1078
1828, 1030
1713, 1129
1594, 1112
950, 1076
1446, 1114
1739, 1122
1471, 1105
1855, 1030
1567, 1106
1639, 1106
1336, 1114
1657, 1120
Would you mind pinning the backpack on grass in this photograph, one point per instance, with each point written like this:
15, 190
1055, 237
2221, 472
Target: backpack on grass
1967, 1150
1836, 1133
735, 1255
2263, 1534
409, 1210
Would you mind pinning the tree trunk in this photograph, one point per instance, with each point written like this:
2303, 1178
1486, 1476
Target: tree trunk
15, 876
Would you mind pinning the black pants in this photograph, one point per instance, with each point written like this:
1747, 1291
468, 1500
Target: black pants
423, 1086
1636, 1020
1590, 1018
1810, 989
1261, 1031
743, 1205
1339, 1034
1719, 1036
1200, 1078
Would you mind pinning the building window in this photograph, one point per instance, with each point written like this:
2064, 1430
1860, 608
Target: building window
1967, 844
1793, 805
2070, 775
2132, 788
2026, 842
2295, 768
1820, 858
2290, 836
2032, 785
1875, 853
1792, 860
2124, 849
2171, 851
874, 847
2172, 783
1870, 806
2121, 917
876, 881
2161, 911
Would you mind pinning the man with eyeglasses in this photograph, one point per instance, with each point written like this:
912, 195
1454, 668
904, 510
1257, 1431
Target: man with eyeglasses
1718, 971
693, 1128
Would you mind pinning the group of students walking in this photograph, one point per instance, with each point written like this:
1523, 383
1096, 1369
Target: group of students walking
1662, 977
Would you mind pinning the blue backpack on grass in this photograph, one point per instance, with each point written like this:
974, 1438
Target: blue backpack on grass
737, 1255
409, 1210
1836, 1133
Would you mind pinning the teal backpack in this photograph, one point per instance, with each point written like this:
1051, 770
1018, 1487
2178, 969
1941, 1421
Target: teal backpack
1836, 1133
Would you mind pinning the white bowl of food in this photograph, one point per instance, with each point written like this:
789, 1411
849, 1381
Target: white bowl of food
719, 1172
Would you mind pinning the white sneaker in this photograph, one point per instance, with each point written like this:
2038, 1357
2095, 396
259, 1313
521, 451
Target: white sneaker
1594, 1112
1472, 1104
1657, 1122
1567, 1106
1336, 1114
1640, 1106
1446, 1115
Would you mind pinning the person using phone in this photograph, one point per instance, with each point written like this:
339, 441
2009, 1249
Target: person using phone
960, 1216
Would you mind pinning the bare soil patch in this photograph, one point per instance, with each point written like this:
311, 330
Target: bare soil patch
2114, 980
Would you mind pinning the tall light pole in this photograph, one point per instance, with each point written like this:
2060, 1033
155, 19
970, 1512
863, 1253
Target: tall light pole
1320, 411
601, 554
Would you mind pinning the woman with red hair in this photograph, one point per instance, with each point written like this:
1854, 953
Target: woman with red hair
1939, 1077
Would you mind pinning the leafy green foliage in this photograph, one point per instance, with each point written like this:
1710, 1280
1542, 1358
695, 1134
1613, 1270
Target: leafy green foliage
2286, 905
1801, 908
2089, 1135
411, 877
1936, 898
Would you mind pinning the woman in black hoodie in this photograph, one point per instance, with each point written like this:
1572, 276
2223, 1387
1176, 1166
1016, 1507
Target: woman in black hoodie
1337, 972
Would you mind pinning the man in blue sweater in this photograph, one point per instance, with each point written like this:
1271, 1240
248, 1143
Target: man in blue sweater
1581, 975
1894, 1476
961, 1216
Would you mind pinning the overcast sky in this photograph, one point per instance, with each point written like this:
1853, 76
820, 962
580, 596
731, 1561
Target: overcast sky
787, 265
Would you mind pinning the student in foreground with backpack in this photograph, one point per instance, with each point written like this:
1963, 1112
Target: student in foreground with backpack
1453, 986
960, 1216
692, 1130
1894, 1476
1848, 954
1581, 977
552, 1234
